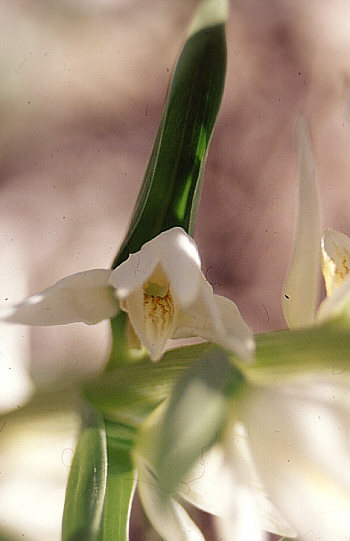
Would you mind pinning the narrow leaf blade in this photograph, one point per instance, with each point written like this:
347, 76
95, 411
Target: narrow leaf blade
87, 482
171, 187
121, 483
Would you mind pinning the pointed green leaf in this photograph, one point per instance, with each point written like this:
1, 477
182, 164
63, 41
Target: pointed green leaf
170, 192
87, 482
171, 187
121, 482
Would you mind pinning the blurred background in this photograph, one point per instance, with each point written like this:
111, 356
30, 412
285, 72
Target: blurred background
82, 86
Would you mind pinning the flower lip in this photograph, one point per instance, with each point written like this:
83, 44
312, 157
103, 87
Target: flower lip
166, 295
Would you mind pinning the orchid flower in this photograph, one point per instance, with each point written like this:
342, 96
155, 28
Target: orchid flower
233, 495
161, 287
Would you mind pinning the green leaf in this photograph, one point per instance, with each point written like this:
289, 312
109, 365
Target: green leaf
195, 416
170, 191
121, 482
87, 482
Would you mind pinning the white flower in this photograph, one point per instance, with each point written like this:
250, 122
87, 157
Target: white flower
207, 486
223, 483
162, 289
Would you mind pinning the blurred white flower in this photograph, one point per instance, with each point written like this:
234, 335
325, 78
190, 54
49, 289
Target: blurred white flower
224, 483
161, 287
207, 486
299, 439
280, 466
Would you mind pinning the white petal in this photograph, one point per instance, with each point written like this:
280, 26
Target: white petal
237, 336
300, 290
301, 445
218, 320
335, 258
181, 262
178, 255
136, 270
85, 296
36, 453
208, 485
238, 446
165, 513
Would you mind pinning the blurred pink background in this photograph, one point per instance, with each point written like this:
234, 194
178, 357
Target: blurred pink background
82, 89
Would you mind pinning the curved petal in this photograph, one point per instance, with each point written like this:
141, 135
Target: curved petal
181, 262
300, 290
178, 255
218, 320
335, 248
84, 296
308, 475
165, 513
136, 270
237, 336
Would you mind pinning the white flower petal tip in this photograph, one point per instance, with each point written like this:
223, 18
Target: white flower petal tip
84, 296
168, 517
218, 320
335, 247
237, 335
